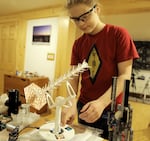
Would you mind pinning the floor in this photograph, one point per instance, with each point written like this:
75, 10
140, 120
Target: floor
140, 121
142, 135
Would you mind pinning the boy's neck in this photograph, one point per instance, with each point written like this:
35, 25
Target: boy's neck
98, 28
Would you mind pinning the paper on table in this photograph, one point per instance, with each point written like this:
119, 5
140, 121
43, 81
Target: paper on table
86, 136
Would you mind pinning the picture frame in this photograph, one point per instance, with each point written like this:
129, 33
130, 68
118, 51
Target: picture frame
41, 34
140, 79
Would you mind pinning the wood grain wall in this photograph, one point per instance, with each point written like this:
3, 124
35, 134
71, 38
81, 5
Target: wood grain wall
13, 38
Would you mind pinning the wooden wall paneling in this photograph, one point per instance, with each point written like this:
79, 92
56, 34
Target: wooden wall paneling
125, 6
21, 39
10, 48
8, 43
66, 37
43, 13
61, 56
1, 56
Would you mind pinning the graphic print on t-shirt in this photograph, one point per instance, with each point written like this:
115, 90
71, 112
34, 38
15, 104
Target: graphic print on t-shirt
94, 62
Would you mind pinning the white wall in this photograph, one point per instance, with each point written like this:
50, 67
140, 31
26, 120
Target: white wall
137, 24
36, 55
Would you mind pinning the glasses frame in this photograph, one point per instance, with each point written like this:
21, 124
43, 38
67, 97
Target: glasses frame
77, 19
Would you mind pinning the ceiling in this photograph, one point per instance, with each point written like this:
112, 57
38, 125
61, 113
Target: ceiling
111, 6
15, 6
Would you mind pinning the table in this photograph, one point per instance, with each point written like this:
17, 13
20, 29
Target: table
45, 117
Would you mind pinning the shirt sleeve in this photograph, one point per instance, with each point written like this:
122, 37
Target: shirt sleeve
125, 46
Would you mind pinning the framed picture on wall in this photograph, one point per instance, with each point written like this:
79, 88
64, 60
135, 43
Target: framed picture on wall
41, 34
140, 80
143, 48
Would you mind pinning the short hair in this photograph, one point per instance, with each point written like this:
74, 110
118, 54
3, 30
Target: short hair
71, 3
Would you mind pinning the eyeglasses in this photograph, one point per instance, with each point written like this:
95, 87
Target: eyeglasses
84, 16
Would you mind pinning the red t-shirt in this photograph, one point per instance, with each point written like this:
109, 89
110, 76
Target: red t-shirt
102, 51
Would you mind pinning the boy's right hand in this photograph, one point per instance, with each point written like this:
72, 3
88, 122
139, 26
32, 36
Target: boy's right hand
68, 114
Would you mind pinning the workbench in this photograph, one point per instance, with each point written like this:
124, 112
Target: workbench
44, 118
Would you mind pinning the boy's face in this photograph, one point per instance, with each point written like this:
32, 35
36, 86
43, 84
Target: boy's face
85, 17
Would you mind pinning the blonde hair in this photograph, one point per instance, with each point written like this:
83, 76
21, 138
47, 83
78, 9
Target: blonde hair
71, 3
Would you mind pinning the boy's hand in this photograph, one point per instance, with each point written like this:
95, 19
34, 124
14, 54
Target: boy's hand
91, 111
68, 114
